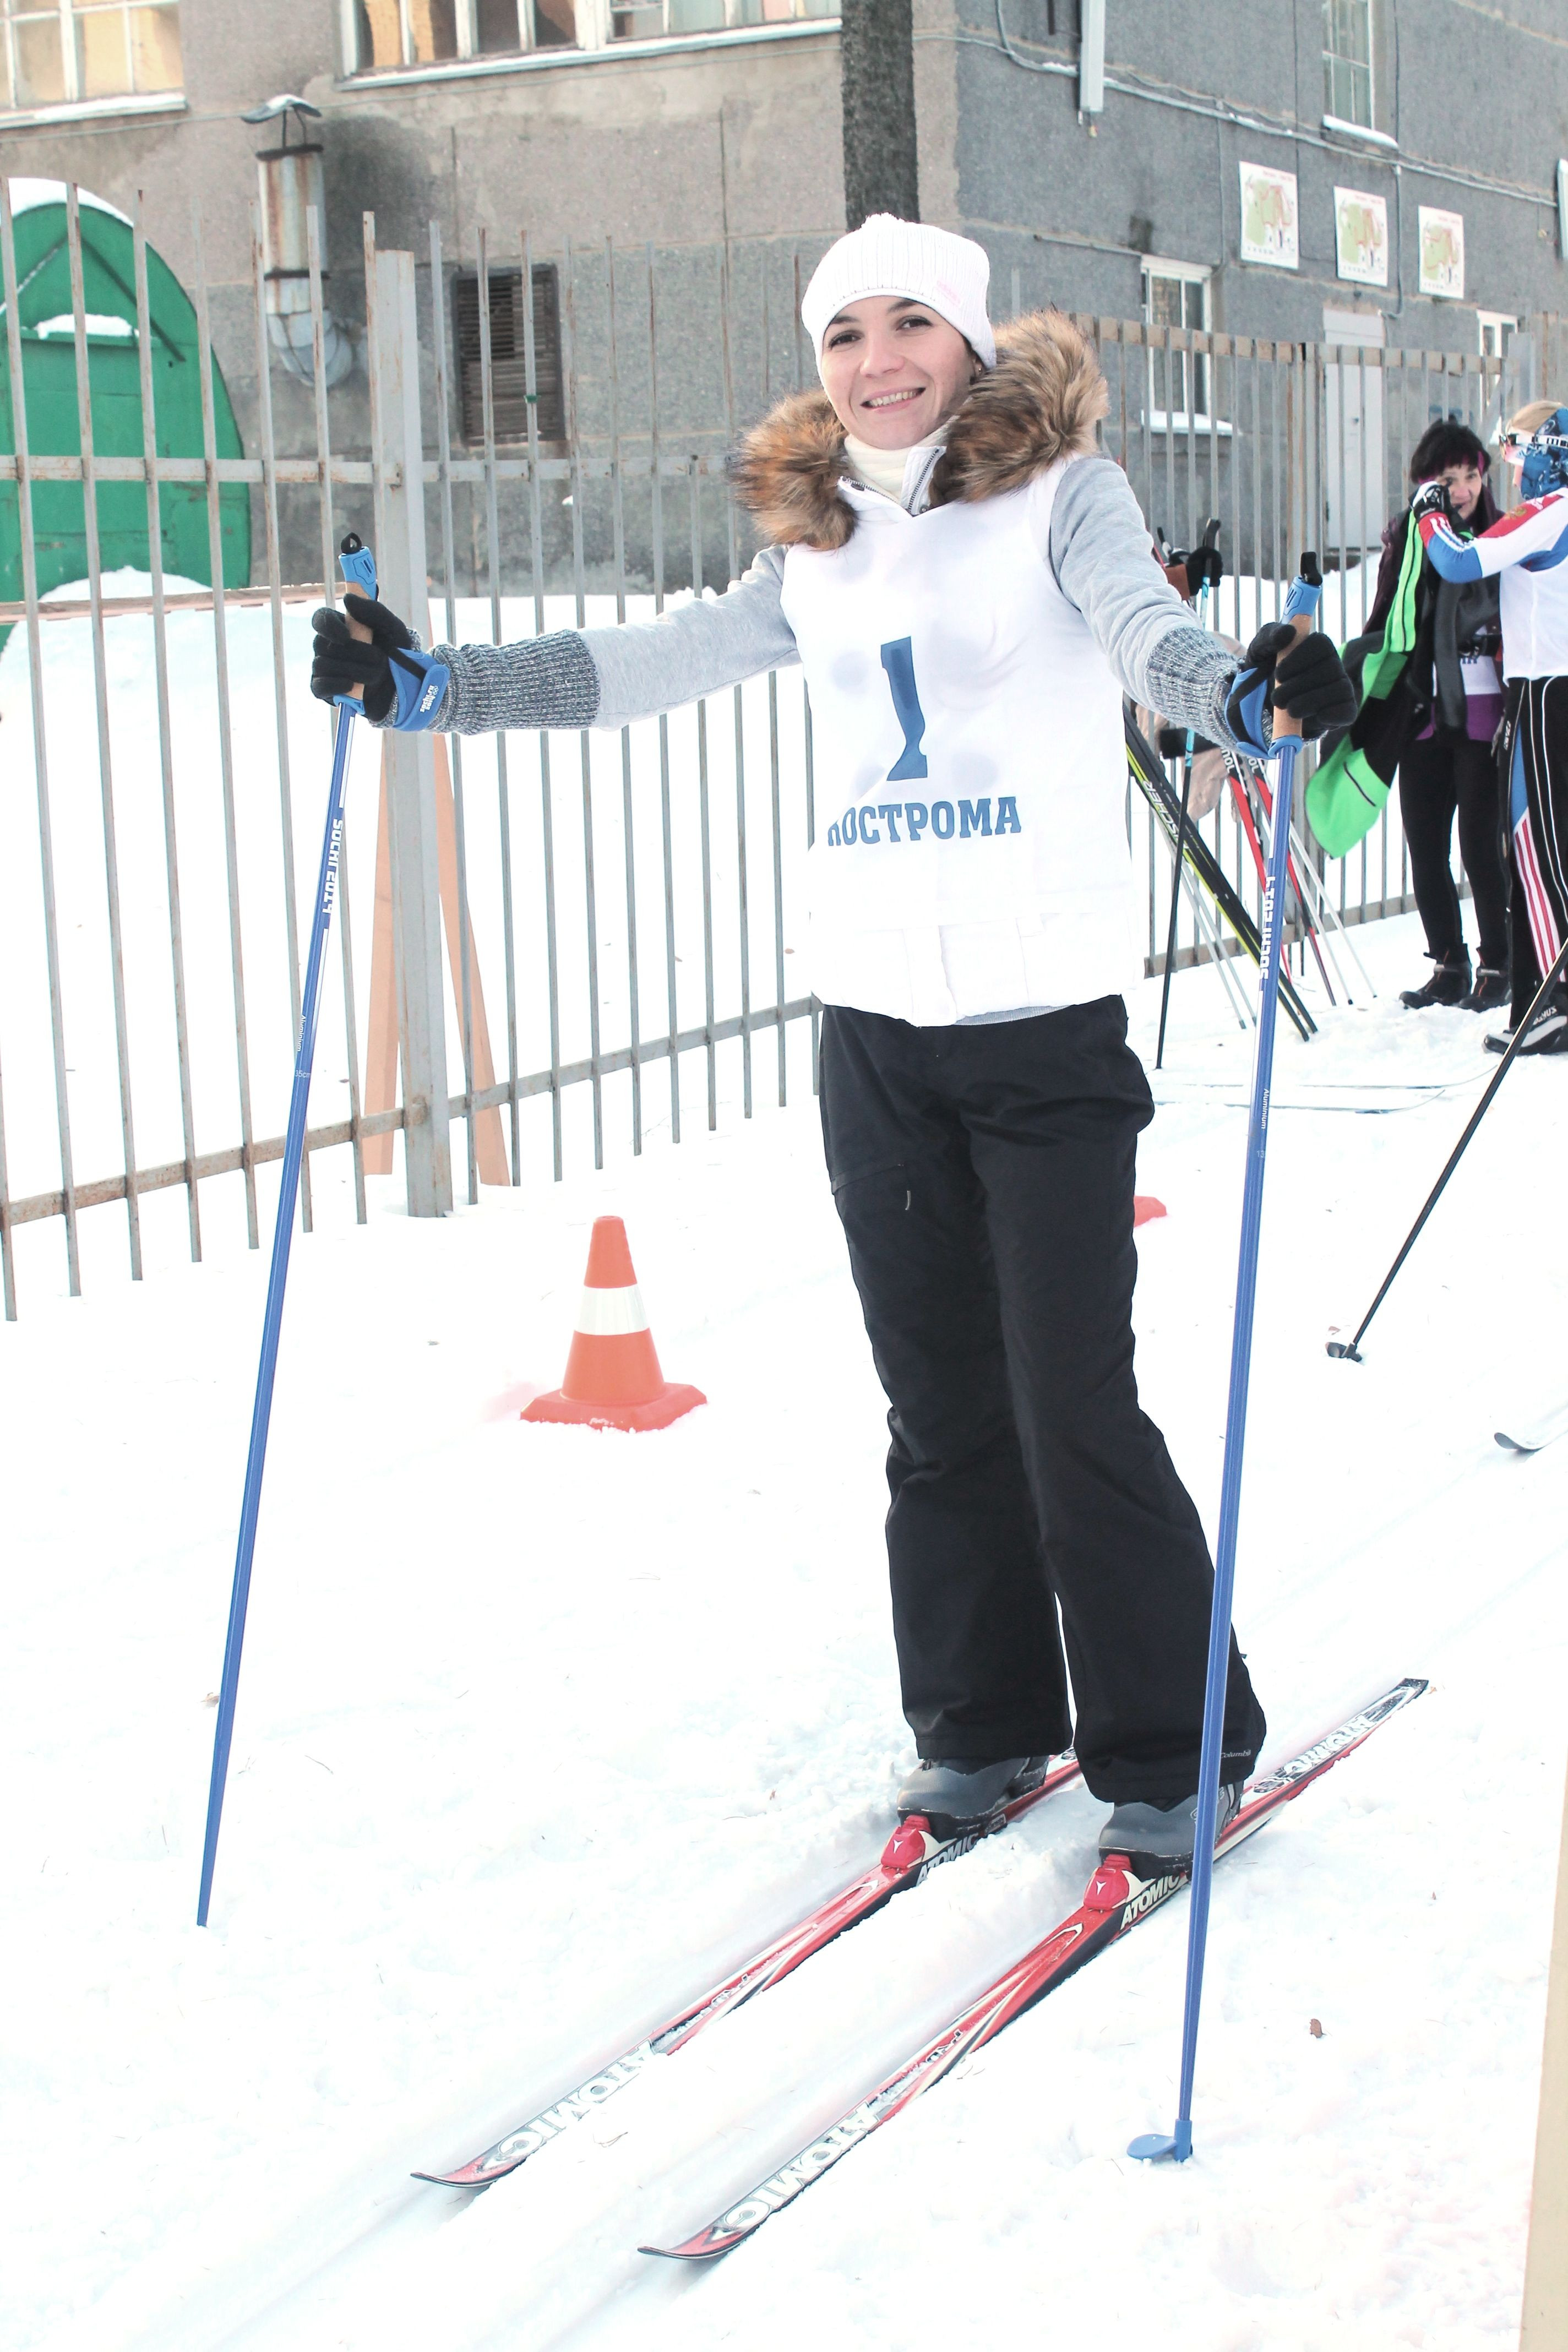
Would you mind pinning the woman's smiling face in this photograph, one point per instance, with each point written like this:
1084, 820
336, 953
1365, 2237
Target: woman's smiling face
894, 370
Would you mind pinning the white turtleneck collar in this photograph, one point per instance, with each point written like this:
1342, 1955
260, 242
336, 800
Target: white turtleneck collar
897, 474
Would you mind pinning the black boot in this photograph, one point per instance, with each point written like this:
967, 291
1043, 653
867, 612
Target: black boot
1491, 989
1449, 983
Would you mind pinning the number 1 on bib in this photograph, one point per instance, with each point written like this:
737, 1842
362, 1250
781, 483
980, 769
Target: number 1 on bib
898, 661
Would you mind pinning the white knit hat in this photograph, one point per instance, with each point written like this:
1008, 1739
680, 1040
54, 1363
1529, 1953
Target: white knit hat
887, 256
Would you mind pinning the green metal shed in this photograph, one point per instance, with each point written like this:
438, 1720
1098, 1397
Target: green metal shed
48, 375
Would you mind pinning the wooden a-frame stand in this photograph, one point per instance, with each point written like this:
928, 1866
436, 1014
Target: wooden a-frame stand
381, 1044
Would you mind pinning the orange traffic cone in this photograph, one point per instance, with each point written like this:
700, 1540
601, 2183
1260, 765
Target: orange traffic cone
613, 1376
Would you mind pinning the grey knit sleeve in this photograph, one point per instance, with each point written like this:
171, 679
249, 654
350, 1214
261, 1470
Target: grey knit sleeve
536, 682
653, 666
1103, 562
607, 677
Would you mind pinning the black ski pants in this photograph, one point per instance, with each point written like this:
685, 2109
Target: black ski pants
984, 1175
1437, 778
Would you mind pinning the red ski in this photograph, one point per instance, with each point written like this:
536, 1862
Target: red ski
911, 1854
1115, 1901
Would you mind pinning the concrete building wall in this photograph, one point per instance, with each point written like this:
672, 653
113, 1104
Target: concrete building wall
1467, 96
727, 158
732, 147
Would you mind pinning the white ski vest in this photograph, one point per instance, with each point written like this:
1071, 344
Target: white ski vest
971, 773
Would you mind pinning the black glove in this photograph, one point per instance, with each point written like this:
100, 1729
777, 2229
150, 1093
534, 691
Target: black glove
1203, 565
343, 662
1431, 498
1308, 680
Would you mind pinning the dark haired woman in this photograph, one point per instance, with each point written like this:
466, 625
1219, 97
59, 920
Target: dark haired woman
1453, 685
967, 584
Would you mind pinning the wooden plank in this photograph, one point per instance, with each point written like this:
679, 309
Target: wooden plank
1544, 2324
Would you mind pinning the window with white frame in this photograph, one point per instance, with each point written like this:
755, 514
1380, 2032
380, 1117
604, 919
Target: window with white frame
74, 52
438, 32
385, 34
1176, 294
1347, 61
646, 19
1497, 332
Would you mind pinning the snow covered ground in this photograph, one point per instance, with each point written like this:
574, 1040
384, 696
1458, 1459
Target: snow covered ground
540, 1726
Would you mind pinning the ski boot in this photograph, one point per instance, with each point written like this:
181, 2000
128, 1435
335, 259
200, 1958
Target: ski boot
1449, 983
1158, 1839
956, 1794
1491, 989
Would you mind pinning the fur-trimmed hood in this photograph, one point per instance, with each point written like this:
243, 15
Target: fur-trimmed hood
1042, 401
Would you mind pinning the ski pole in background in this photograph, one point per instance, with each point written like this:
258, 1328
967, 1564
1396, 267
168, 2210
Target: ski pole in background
1300, 605
1210, 540
1349, 1350
359, 569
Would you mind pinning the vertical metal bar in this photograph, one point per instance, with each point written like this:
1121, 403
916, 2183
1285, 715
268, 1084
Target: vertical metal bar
7, 1264
806, 703
546, 797
773, 783
224, 731
741, 875
329, 575
1146, 336
776, 814
492, 534
443, 481
402, 562
165, 745
1191, 366
40, 755
280, 700
584, 739
627, 828
1276, 517
657, 532
695, 495
1169, 435
101, 696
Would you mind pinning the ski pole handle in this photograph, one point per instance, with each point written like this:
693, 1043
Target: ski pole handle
1300, 608
357, 565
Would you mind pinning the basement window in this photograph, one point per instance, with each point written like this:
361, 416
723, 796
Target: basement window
509, 373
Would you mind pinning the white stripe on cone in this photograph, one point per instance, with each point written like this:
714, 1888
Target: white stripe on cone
612, 1314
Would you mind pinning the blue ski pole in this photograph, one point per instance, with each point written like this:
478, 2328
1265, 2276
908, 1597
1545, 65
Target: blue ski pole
359, 569
1301, 605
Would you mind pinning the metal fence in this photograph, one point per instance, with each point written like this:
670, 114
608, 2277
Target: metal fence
607, 905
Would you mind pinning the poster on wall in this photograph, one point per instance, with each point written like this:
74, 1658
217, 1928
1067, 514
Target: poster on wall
1360, 237
1442, 236
1268, 216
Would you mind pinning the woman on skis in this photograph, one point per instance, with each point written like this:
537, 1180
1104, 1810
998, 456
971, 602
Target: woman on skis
968, 587
1525, 552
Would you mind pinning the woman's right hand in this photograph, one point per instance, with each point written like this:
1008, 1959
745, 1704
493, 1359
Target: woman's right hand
354, 653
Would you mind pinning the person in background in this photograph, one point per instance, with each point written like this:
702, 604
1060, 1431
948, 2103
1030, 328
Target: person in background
1455, 689
1525, 554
